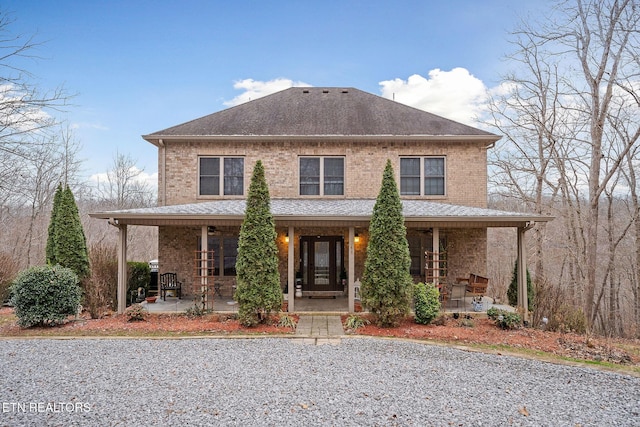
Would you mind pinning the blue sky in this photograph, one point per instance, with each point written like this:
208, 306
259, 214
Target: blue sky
141, 66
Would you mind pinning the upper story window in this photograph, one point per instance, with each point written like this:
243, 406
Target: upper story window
221, 176
422, 176
321, 176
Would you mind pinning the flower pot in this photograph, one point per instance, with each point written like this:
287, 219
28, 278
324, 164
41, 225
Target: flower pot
357, 306
285, 306
151, 300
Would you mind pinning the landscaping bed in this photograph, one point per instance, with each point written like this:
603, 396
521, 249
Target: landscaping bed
483, 332
470, 332
155, 325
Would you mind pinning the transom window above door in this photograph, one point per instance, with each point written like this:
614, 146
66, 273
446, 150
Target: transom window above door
321, 176
221, 176
422, 176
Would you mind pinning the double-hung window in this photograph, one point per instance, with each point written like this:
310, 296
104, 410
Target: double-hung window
321, 176
422, 176
221, 176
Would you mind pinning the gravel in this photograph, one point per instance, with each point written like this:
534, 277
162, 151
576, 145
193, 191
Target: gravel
282, 382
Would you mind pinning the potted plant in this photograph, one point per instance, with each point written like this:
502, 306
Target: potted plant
343, 279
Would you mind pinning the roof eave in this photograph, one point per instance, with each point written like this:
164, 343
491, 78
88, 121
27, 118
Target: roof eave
488, 221
158, 140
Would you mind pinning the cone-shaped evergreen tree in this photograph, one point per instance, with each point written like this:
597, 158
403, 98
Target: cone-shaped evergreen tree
69, 241
258, 281
386, 283
50, 251
512, 292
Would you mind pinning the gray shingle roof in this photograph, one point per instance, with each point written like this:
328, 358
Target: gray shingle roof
314, 111
325, 209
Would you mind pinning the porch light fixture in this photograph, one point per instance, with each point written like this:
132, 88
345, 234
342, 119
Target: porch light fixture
286, 238
356, 238
211, 229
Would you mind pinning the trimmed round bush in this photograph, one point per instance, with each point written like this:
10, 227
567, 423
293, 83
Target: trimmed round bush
426, 300
45, 295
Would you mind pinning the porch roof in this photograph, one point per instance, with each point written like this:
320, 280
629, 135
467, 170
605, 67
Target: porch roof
318, 212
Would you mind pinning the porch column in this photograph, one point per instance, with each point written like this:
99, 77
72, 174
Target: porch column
352, 269
435, 244
291, 271
523, 301
122, 269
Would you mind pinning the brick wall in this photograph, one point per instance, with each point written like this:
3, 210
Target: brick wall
466, 250
466, 177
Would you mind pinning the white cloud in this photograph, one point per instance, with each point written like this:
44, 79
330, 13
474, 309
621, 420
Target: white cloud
87, 125
455, 94
254, 89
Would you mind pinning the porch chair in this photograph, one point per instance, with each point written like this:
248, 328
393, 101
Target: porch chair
169, 282
445, 293
476, 285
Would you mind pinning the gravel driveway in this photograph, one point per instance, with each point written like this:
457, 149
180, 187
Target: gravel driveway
281, 382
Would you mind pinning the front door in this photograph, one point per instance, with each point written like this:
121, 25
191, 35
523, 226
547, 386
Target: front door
321, 263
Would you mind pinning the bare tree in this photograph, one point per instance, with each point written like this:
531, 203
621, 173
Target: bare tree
123, 187
581, 63
27, 131
25, 110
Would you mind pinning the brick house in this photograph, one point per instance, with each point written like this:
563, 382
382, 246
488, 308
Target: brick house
324, 151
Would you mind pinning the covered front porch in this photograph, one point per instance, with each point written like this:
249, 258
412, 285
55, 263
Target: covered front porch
334, 232
337, 305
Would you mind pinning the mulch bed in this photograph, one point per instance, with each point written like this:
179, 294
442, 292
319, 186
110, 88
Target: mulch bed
484, 331
470, 331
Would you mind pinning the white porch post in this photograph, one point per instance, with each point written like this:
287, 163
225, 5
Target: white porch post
435, 244
291, 271
122, 269
352, 269
523, 300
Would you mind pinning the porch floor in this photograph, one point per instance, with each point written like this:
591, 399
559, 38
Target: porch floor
307, 305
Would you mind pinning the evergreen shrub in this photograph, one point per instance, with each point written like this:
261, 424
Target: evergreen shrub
386, 282
504, 319
426, 299
139, 276
258, 289
136, 313
512, 292
45, 295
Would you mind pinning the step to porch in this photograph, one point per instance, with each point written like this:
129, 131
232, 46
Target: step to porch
320, 330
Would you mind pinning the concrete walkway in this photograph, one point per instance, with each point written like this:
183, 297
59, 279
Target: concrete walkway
318, 330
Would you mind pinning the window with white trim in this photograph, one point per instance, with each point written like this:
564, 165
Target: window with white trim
321, 176
422, 176
221, 176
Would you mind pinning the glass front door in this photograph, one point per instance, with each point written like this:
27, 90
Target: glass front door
321, 262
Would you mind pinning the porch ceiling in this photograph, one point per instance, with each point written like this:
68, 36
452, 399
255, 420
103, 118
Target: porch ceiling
319, 212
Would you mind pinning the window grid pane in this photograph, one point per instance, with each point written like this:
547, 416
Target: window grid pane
310, 176
209, 176
234, 176
410, 177
209, 166
434, 167
333, 176
415, 250
434, 176
230, 252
